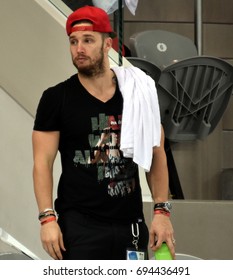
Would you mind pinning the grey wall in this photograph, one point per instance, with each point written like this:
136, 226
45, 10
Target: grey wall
202, 226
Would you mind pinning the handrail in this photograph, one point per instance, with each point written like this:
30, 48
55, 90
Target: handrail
61, 6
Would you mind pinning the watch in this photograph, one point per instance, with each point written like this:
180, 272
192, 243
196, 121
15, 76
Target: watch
163, 205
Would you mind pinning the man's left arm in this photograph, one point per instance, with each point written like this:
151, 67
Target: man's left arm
161, 229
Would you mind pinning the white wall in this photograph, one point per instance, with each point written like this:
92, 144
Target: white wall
34, 50
18, 210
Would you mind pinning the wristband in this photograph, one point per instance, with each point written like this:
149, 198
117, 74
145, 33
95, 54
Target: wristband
42, 216
166, 206
45, 213
163, 212
48, 209
48, 220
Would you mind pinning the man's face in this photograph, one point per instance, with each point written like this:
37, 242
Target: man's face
87, 51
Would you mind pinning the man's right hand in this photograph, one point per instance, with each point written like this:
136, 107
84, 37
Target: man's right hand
52, 240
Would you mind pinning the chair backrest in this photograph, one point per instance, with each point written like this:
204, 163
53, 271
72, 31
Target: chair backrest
149, 68
193, 95
160, 47
193, 90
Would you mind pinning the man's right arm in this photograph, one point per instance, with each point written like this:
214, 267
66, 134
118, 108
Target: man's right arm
45, 147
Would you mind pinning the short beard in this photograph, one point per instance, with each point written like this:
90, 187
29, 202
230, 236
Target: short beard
95, 69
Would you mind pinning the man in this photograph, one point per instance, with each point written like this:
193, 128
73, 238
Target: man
99, 202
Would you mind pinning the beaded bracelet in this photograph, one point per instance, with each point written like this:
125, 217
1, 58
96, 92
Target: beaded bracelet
48, 220
158, 211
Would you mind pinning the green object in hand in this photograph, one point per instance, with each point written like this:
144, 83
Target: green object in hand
163, 253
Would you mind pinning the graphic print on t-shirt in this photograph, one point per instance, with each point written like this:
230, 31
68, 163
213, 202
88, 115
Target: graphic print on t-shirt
105, 153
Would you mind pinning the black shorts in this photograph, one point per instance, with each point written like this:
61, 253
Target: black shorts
86, 238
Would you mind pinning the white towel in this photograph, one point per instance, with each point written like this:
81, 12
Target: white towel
141, 124
132, 5
111, 6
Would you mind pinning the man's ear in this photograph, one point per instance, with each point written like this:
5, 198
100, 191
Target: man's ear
108, 42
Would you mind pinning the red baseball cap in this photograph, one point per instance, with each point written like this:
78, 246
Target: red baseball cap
97, 16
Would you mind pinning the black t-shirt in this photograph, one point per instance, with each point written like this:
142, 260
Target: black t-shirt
96, 179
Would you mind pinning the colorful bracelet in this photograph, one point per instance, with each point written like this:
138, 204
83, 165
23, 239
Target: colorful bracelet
163, 212
41, 217
46, 213
48, 220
